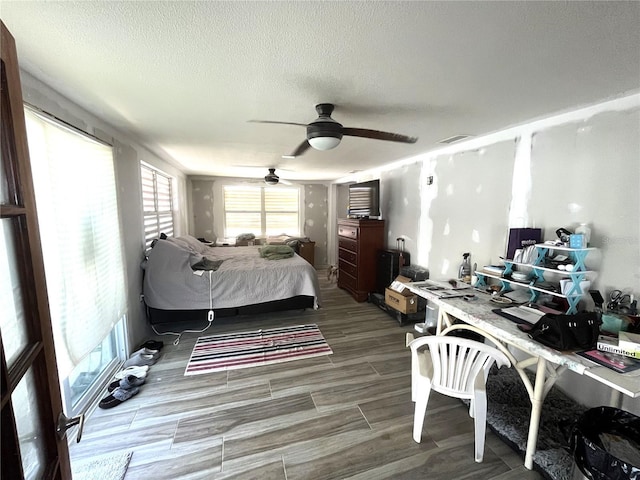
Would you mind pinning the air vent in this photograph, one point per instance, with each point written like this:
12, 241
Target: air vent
454, 139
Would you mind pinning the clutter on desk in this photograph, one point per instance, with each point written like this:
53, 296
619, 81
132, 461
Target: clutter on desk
564, 236
626, 344
500, 300
620, 302
618, 363
415, 272
446, 289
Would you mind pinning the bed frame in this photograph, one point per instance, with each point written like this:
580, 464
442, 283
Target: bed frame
157, 316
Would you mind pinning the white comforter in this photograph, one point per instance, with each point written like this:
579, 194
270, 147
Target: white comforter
243, 278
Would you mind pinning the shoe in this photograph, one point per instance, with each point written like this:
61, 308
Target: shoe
145, 351
127, 383
138, 371
118, 396
153, 344
140, 359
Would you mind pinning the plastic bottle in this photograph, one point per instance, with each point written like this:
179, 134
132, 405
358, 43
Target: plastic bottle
464, 273
584, 229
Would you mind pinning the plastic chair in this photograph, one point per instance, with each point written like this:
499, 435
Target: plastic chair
456, 367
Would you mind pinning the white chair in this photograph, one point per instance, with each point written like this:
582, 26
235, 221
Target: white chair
456, 367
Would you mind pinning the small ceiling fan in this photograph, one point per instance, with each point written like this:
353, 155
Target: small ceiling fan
272, 179
324, 133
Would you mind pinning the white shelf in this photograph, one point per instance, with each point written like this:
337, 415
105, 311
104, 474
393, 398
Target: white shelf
526, 285
563, 248
552, 270
577, 276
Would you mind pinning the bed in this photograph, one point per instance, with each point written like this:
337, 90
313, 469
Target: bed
184, 279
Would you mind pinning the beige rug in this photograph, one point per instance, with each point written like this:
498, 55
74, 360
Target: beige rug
108, 467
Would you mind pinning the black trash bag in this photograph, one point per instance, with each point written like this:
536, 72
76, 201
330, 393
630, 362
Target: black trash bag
605, 443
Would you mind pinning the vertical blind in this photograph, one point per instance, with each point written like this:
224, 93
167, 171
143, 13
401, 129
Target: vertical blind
76, 201
261, 210
157, 204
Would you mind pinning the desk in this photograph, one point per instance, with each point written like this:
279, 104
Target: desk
477, 316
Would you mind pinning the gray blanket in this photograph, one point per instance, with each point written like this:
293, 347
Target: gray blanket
242, 278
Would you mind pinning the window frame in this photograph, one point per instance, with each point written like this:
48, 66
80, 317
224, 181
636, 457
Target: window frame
160, 215
86, 389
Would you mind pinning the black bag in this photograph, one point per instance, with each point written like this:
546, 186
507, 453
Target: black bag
567, 332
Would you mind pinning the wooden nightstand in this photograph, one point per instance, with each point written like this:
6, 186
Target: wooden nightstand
307, 250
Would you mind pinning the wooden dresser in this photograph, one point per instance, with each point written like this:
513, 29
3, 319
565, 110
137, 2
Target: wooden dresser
358, 243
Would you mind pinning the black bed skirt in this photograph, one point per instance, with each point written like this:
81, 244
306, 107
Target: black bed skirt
156, 316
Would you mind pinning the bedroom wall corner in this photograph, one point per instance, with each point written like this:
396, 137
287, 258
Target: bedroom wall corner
202, 209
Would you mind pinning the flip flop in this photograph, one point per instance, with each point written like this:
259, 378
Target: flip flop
140, 359
145, 351
118, 396
138, 371
127, 383
153, 344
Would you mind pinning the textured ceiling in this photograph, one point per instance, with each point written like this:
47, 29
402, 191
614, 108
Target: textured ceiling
184, 78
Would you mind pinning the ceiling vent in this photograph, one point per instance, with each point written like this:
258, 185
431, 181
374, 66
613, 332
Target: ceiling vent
454, 139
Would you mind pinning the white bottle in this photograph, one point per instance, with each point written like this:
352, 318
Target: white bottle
584, 229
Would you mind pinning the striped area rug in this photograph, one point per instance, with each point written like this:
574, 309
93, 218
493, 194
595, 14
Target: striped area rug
230, 351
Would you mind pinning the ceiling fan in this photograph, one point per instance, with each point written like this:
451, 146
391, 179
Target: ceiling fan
272, 179
324, 133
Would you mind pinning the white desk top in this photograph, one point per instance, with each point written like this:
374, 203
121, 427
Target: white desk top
479, 313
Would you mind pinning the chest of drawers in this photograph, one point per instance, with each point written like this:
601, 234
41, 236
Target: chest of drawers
359, 241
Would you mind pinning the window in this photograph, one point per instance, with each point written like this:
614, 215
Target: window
75, 190
157, 204
262, 211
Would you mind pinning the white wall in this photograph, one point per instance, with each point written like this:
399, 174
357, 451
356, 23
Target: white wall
127, 156
581, 166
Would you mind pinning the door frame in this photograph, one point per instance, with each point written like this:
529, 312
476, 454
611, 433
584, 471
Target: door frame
38, 355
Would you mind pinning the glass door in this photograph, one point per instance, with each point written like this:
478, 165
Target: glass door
30, 395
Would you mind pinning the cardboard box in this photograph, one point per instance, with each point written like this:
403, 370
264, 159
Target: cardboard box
400, 298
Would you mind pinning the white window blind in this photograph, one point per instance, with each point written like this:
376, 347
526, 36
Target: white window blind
75, 191
261, 210
157, 204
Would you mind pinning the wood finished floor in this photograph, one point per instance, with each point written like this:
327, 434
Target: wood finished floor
344, 416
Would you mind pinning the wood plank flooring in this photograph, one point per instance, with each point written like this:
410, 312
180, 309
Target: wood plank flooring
344, 416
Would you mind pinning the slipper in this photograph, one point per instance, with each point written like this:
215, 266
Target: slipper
118, 396
140, 359
138, 371
127, 383
146, 351
153, 344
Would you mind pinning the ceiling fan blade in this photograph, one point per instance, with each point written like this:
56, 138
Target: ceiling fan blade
378, 135
303, 147
278, 123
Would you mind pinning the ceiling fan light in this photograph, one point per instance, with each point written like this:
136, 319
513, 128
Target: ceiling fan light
271, 178
324, 143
